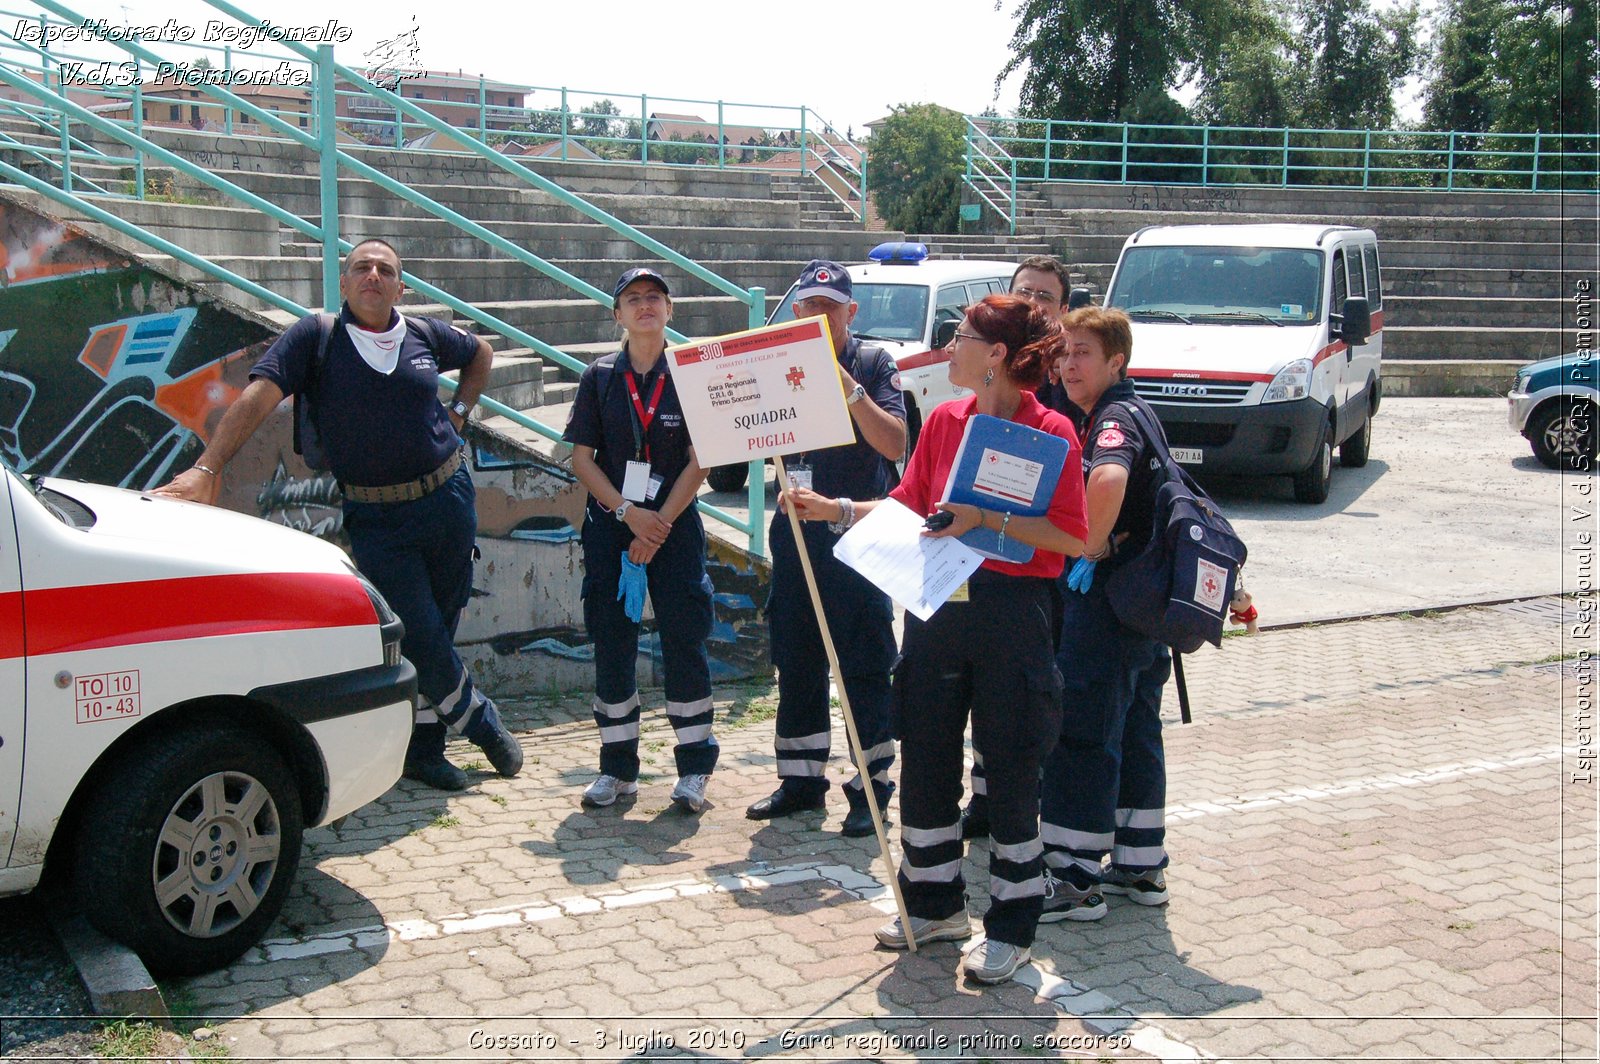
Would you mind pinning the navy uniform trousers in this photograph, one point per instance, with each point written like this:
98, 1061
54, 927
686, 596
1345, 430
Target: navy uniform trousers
418, 555
1105, 784
861, 621
993, 655
680, 592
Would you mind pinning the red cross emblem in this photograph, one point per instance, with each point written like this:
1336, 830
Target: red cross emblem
993, 458
795, 376
1211, 585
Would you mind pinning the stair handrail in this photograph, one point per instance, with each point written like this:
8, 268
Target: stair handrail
834, 158
1221, 155
754, 298
997, 185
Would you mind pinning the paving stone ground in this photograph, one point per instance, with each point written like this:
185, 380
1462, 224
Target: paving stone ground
1378, 849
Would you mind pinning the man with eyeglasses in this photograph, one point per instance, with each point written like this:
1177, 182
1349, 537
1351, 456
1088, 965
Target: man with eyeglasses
860, 617
1045, 280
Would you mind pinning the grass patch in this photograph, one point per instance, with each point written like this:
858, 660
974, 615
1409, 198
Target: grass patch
123, 1039
498, 799
475, 766
446, 820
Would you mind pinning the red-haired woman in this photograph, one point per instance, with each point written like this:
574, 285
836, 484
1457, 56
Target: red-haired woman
989, 652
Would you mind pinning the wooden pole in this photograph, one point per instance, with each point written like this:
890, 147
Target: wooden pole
849, 717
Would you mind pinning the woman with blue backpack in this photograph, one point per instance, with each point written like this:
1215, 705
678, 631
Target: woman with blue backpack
1104, 785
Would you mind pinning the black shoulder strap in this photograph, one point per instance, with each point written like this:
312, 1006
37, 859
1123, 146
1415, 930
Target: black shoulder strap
325, 327
1155, 435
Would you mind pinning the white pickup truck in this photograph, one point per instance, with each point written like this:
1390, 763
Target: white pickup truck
182, 690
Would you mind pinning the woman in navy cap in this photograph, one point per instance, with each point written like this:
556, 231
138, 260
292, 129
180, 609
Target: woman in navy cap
631, 451
988, 652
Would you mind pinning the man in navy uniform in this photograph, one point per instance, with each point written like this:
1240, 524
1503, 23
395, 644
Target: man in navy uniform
408, 495
860, 617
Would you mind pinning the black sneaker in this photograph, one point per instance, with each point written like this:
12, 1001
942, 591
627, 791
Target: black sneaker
1147, 887
785, 801
1064, 901
425, 760
975, 818
441, 775
497, 744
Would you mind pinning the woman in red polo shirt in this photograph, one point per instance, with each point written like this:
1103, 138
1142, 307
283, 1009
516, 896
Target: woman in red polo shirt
989, 651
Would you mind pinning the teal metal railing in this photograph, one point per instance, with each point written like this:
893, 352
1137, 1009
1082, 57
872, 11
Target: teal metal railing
1001, 152
326, 72
779, 139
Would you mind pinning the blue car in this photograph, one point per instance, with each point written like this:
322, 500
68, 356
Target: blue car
1553, 404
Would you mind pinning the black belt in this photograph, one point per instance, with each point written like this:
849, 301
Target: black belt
407, 491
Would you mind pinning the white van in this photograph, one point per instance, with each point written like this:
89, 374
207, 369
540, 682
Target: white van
910, 306
182, 690
1260, 346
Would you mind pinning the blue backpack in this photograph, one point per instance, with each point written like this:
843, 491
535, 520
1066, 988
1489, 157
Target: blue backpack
1177, 589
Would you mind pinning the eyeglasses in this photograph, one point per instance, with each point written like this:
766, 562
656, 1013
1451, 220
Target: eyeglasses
959, 335
1034, 293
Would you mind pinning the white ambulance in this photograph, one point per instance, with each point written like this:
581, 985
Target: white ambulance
1260, 346
182, 690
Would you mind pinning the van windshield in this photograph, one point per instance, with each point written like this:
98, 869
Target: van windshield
888, 311
1250, 286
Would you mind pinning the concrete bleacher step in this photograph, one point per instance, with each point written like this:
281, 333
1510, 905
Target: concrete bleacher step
1452, 310
1324, 203
1475, 343
1389, 227
494, 204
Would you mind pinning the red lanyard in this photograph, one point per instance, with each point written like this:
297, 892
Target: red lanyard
646, 414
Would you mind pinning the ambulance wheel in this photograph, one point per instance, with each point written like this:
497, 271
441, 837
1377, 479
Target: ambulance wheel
187, 847
728, 477
1353, 452
1311, 484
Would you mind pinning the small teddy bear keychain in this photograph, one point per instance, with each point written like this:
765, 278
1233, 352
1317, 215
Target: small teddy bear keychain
1241, 608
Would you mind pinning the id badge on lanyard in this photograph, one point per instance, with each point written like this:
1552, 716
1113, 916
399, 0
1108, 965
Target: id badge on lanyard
639, 484
799, 475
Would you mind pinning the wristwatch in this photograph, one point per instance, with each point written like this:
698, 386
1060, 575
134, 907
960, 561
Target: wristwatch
460, 409
621, 512
857, 394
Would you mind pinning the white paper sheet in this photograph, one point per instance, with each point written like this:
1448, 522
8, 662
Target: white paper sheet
919, 572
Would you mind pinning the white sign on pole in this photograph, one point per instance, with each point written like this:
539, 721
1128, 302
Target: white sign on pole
769, 391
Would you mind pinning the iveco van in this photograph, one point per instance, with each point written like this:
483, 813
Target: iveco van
1260, 346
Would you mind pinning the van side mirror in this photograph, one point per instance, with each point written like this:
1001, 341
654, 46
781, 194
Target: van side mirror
1080, 297
1355, 321
944, 332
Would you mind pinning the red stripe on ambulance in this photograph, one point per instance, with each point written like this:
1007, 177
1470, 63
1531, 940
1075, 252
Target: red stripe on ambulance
65, 619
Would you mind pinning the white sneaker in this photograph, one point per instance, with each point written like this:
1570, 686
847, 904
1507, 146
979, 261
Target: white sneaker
995, 962
690, 793
607, 789
949, 929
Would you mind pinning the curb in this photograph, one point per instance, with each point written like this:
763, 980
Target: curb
1412, 611
116, 979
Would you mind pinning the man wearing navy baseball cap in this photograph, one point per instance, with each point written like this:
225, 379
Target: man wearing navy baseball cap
860, 616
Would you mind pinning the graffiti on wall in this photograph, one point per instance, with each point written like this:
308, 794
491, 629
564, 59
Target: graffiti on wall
113, 372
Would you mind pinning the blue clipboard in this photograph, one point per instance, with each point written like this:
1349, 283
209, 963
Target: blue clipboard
1008, 468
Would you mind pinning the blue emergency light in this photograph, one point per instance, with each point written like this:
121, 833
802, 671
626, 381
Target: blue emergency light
899, 253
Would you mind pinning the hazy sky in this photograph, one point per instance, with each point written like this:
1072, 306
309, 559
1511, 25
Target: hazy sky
849, 62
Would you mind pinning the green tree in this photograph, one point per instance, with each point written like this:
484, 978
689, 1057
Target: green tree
915, 161
1355, 57
1461, 89
596, 120
1091, 61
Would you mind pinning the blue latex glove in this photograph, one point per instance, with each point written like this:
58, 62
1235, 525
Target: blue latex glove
631, 588
1082, 575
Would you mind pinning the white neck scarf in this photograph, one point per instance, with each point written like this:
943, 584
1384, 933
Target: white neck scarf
381, 351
